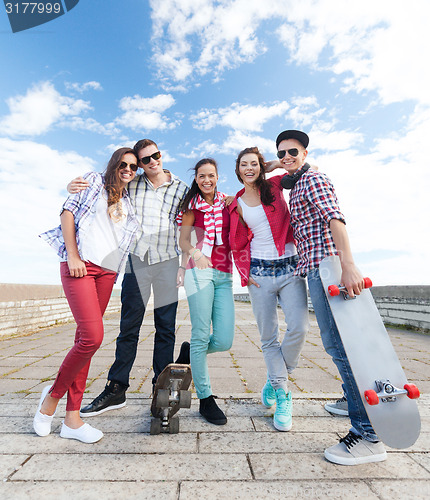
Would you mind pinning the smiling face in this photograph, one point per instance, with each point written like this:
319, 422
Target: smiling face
154, 167
249, 168
292, 163
206, 179
126, 174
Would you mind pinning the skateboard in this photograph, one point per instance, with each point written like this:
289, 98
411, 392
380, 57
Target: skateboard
387, 396
170, 394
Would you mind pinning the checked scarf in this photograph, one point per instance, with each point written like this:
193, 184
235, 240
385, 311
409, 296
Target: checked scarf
212, 220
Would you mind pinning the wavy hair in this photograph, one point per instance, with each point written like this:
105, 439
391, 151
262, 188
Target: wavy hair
262, 183
112, 182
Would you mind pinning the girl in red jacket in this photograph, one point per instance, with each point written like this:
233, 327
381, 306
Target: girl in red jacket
264, 253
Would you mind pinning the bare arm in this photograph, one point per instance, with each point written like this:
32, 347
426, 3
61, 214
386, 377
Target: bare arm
201, 261
76, 265
351, 276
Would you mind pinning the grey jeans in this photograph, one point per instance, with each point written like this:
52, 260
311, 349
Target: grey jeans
278, 284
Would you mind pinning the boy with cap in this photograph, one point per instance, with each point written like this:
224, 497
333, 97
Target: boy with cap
319, 230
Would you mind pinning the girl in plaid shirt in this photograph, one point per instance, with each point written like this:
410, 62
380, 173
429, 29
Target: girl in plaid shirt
93, 240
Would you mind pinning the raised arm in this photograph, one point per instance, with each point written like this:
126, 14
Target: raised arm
76, 185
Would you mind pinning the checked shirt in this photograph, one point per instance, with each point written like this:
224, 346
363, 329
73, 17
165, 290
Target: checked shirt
156, 210
313, 204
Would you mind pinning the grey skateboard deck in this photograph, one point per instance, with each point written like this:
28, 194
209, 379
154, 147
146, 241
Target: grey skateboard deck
374, 362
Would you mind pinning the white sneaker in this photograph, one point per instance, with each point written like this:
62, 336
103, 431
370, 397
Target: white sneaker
41, 422
354, 450
339, 407
85, 433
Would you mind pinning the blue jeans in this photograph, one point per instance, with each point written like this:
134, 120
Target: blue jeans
278, 284
333, 345
210, 300
135, 293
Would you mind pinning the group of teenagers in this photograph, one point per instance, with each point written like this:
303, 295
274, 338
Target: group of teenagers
120, 221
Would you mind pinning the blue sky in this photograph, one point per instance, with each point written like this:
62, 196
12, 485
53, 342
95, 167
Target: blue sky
208, 78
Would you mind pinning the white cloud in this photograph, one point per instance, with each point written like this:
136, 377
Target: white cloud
33, 178
372, 45
38, 110
239, 116
146, 113
83, 87
222, 34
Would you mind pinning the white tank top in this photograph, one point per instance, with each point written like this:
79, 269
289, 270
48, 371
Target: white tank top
262, 244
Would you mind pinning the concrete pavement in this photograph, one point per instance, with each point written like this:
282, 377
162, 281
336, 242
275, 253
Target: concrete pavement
247, 458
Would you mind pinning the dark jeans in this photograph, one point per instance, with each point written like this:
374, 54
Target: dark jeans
136, 289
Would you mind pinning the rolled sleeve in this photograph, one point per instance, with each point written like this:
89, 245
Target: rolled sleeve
322, 196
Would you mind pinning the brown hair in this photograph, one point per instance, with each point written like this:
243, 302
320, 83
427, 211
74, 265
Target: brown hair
262, 184
112, 182
143, 143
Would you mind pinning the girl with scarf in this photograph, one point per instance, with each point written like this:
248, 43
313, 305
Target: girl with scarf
206, 273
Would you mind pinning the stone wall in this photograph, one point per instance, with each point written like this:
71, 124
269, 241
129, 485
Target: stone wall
404, 306
26, 308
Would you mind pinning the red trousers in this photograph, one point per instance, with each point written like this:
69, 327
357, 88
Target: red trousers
88, 298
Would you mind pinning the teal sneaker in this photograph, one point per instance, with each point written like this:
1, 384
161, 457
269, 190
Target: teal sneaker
268, 396
282, 419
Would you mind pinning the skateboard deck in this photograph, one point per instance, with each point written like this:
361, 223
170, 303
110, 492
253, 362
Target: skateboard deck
378, 373
170, 394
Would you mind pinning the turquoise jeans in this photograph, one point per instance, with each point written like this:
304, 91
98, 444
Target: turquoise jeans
210, 299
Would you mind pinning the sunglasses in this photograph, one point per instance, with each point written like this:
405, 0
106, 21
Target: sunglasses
292, 152
146, 159
124, 164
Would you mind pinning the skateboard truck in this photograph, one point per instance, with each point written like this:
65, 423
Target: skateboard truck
169, 397
334, 290
387, 392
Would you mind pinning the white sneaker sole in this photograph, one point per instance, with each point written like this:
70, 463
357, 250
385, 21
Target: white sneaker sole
355, 460
95, 413
282, 428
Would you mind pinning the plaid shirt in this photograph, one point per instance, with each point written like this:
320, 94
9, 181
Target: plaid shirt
82, 206
156, 210
241, 236
313, 204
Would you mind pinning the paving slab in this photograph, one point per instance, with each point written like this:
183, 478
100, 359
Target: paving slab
247, 458
241, 490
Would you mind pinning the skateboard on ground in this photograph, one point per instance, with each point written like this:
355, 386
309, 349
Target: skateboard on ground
170, 394
387, 396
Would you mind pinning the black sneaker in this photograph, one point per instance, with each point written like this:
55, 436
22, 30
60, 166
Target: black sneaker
112, 398
211, 411
184, 354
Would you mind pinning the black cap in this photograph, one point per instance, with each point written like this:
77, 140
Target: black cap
293, 134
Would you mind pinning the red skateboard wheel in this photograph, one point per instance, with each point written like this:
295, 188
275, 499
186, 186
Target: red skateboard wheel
367, 283
371, 397
413, 391
333, 290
